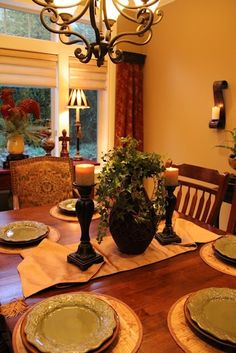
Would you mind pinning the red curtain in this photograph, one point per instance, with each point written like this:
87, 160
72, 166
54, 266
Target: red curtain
129, 98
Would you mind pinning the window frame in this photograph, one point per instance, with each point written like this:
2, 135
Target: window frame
105, 136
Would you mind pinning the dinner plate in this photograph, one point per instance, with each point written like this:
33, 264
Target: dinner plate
224, 258
226, 246
214, 311
68, 206
110, 342
70, 323
23, 232
210, 339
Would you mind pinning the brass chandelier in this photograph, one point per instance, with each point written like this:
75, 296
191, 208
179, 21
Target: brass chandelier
57, 16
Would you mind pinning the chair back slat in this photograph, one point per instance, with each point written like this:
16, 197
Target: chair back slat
200, 205
206, 209
200, 192
193, 203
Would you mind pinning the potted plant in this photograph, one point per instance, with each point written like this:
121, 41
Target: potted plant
123, 203
232, 147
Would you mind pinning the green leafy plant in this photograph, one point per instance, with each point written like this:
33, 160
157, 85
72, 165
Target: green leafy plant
121, 180
232, 143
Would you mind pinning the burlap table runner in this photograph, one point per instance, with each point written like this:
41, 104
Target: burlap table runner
182, 334
46, 265
208, 256
53, 235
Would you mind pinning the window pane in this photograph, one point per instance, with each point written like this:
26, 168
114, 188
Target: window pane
88, 119
2, 20
23, 24
43, 97
17, 23
85, 29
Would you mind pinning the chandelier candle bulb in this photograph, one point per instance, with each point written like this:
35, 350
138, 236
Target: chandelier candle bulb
215, 114
84, 174
171, 176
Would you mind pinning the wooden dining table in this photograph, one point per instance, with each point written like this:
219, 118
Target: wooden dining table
149, 291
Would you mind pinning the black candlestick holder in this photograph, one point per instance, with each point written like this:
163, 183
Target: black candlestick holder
85, 256
168, 235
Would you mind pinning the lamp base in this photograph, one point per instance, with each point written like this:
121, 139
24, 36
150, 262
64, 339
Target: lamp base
77, 158
84, 263
165, 239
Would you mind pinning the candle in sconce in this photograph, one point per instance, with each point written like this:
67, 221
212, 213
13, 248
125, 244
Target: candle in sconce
84, 174
215, 114
171, 176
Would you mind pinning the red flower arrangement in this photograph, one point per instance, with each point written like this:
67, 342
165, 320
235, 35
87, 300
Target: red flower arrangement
15, 119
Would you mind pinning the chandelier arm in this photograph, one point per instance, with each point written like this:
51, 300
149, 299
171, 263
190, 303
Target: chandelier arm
147, 3
50, 7
84, 58
81, 14
158, 15
65, 31
93, 22
69, 41
147, 40
50, 3
141, 29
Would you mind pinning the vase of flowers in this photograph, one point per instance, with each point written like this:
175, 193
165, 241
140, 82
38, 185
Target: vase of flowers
16, 122
15, 144
123, 203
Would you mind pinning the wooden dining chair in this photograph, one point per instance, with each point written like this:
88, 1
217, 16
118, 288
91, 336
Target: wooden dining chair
39, 181
231, 226
200, 193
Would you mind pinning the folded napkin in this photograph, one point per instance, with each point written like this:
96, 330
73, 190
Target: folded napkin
191, 232
46, 265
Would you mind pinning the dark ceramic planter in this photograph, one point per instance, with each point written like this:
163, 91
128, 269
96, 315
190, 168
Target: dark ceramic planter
132, 237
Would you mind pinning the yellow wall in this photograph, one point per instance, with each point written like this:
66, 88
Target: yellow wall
193, 46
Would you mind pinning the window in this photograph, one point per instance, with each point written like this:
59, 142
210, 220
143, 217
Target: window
23, 24
45, 65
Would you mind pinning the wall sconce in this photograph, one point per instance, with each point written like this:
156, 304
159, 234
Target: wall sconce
218, 111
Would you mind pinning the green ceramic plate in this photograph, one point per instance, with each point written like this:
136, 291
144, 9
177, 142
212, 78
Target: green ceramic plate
68, 206
214, 311
70, 323
23, 231
226, 246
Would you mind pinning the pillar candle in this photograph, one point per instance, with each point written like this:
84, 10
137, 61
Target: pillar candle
215, 115
84, 174
171, 176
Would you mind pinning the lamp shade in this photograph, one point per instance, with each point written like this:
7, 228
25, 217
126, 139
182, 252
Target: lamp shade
78, 99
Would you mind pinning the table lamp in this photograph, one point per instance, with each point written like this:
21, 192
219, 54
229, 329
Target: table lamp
78, 100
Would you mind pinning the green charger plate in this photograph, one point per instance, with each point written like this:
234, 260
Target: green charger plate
68, 206
23, 232
226, 246
214, 311
70, 323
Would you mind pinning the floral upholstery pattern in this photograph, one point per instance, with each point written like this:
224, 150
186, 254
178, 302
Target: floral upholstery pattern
41, 180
